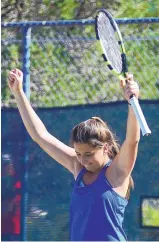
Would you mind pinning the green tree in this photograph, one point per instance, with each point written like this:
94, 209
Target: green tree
19, 10
66, 66
138, 9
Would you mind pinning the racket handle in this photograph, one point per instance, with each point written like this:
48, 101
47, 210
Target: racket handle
139, 115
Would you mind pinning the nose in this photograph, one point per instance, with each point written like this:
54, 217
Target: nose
84, 161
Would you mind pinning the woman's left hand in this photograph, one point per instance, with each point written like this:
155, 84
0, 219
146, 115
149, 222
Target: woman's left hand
130, 87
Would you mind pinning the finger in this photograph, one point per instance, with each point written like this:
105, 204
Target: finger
20, 73
129, 75
14, 70
129, 78
131, 92
131, 86
12, 73
14, 76
17, 71
10, 78
130, 83
122, 83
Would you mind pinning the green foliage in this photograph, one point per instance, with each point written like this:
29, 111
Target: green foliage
66, 63
10, 60
68, 8
142, 59
138, 9
150, 216
53, 9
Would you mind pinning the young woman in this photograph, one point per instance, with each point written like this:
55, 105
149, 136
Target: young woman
101, 170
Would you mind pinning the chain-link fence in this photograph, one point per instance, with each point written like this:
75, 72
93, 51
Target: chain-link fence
67, 68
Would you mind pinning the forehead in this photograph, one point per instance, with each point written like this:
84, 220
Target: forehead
84, 147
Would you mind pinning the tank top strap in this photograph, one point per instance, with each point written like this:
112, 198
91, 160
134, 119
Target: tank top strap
80, 175
105, 167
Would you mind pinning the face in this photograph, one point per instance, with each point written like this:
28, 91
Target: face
93, 159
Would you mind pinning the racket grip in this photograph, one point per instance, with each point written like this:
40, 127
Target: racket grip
139, 115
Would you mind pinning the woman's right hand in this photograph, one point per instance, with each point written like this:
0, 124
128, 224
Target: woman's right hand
15, 81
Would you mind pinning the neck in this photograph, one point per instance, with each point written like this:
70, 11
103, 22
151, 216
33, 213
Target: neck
101, 167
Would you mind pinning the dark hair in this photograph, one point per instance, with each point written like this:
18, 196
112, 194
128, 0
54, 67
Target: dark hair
96, 133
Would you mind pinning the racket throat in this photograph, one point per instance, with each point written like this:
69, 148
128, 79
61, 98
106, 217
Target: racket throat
124, 63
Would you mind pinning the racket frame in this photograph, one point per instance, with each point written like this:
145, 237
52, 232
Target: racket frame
121, 76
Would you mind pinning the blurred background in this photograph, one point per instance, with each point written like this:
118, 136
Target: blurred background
67, 82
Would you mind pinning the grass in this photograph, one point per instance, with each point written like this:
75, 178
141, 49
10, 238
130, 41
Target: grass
150, 216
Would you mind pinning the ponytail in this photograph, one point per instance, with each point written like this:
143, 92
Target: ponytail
130, 186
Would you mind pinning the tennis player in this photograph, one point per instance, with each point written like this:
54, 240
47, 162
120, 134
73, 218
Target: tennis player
101, 169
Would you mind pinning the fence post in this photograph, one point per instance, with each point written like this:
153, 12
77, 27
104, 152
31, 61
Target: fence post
26, 60
26, 87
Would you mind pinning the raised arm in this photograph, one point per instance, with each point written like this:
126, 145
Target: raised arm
62, 153
125, 160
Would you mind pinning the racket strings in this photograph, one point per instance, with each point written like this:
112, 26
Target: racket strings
108, 37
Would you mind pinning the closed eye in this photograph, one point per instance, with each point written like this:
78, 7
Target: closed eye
85, 154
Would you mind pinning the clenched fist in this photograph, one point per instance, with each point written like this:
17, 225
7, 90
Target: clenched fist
15, 81
130, 87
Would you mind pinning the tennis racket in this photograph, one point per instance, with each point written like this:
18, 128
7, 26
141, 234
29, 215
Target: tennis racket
113, 52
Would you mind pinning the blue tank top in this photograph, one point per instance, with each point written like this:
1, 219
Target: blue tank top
96, 210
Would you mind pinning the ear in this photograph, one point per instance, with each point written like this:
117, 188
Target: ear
105, 149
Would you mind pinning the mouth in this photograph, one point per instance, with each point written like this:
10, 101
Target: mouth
88, 166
